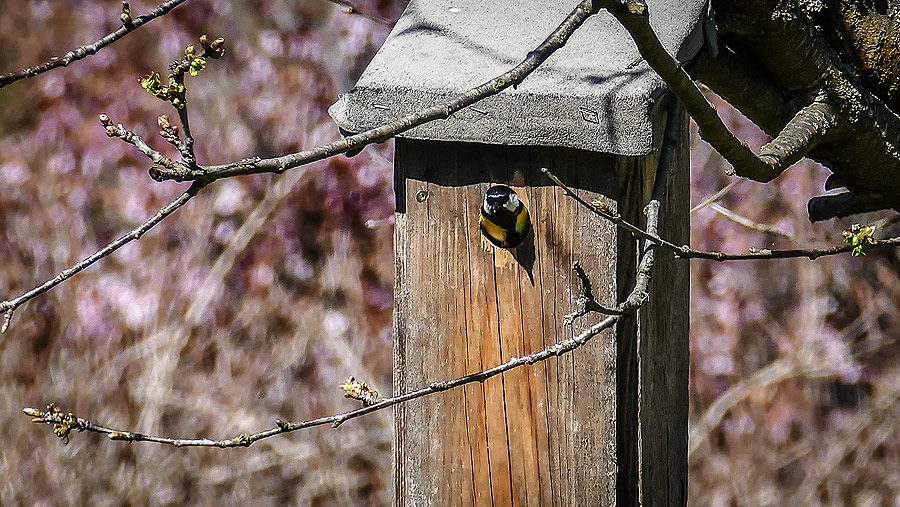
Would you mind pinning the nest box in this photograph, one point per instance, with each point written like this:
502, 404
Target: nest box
607, 423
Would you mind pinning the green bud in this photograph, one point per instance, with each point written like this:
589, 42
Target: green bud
216, 48
150, 82
125, 17
175, 87
860, 238
197, 64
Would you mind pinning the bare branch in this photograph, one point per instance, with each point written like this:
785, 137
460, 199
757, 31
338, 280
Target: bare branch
810, 253
585, 302
512, 77
844, 204
131, 138
811, 126
708, 200
612, 217
57, 419
686, 252
746, 222
90, 49
9, 306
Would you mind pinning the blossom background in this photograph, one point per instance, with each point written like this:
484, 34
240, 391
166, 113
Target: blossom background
257, 299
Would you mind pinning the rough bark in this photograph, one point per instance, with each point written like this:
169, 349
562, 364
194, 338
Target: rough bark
778, 59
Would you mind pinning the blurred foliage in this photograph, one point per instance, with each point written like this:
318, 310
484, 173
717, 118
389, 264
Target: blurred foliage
265, 293
798, 357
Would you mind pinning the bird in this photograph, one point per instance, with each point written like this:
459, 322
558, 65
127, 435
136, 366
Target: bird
504, 218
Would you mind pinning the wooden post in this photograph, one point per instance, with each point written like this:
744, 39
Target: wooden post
573, 430
607, 423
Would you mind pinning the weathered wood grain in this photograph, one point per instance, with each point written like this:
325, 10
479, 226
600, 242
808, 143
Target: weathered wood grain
547, 434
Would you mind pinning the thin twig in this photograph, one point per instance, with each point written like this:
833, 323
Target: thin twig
715, 196
137, 141
187, 146
513, 77
586, 303
9, 306
90, 49
177, 74
612, 217
746, 222
810, 253
77, 423
349, 8
686, 252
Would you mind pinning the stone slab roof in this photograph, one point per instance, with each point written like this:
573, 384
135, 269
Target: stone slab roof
593, 94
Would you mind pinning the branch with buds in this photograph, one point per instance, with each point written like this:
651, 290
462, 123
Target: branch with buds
129, 24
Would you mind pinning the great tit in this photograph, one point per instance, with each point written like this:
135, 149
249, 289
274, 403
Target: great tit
504, 219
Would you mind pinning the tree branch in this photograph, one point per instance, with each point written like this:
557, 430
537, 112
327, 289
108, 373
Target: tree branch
90, 49
736, 73
797, 61
137, 141
746, 222
812, 125
513, 77
9, 306
608, 215
763, 253
58, 419
845, 204
586, 302
712, 198
686, 252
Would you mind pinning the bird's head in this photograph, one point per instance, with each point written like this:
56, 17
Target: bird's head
500, 198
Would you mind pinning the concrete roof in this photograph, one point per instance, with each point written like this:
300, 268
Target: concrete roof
589, 95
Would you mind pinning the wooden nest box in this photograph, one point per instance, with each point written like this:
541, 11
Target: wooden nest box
607, 423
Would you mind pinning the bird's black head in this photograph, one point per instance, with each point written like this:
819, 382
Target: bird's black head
500, 199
